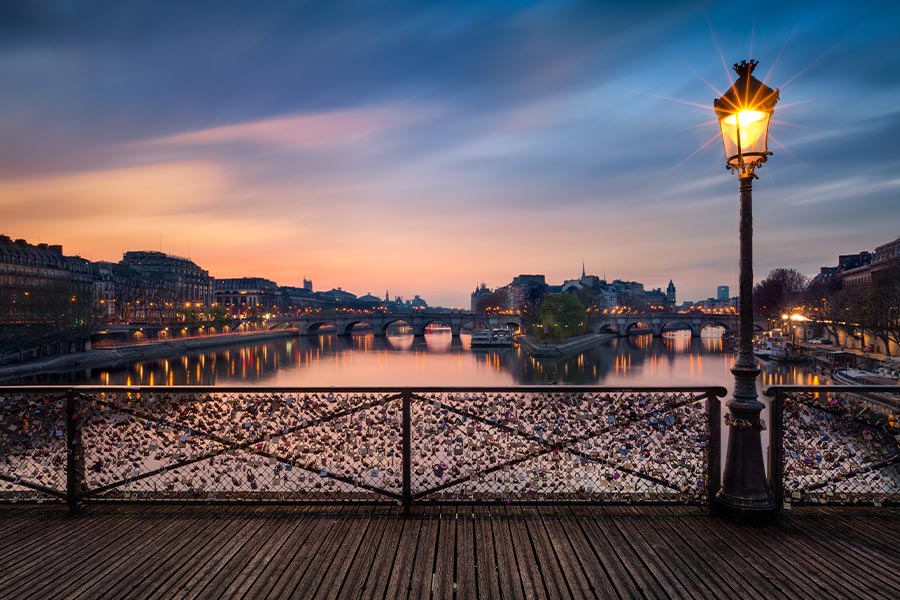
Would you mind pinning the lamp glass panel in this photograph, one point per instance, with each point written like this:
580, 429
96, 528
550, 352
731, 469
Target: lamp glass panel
752, 126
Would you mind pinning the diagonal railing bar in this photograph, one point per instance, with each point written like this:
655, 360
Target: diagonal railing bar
241, 445
34, 486
539, 439
229, 445
851, 427
332, 475
638, 474
870, 468
562, 445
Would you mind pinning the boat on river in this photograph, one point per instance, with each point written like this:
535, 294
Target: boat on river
860, 377
773, 347
492, 338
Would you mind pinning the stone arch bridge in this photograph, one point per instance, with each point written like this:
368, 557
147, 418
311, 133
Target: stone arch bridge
657, 323
343, 323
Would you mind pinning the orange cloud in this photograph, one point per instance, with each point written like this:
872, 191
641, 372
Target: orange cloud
306, 130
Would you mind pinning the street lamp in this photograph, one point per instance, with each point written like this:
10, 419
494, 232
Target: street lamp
744, 112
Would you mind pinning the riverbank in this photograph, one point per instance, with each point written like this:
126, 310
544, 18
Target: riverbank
544, 349
113, 357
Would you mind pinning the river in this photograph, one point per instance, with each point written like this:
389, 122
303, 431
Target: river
437, 360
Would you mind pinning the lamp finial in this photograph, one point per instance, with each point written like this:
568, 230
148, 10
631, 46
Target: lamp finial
745, 67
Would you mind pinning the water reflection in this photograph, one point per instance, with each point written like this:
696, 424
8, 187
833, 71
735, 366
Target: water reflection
438, 359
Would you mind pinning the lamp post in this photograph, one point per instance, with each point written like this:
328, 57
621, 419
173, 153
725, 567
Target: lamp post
744, 112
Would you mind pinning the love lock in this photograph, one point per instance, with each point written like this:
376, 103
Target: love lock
439, 470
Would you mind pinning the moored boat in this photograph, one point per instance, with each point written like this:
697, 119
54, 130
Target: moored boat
492, 338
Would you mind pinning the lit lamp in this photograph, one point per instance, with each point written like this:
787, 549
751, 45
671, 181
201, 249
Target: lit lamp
744, 113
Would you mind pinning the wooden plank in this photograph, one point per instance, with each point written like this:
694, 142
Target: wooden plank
805, 572
825, 557
526, 560
306, 527
325, 526
594, 571
49, 543
125, 583
549, 566
724, 567
443, 586
245, 562
880, 570
384, 554
261, 565
120, 558
791, 547
398, 578
465, 577
193, 583
632, 522
687, 542
624, 568
324, 566
367, 555
740, 546
487, 561
555, 525
335, 572
92, 538
422, 565
189, 554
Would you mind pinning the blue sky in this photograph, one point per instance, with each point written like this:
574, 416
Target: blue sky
423, 147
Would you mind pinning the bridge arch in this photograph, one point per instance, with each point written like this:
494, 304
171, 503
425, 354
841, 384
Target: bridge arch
382, 327
681, 325
314, 327
638, 324
346, 328
606, 327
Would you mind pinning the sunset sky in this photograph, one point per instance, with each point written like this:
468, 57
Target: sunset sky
424, 147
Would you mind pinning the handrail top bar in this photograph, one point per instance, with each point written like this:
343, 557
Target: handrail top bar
717, 391
771, 391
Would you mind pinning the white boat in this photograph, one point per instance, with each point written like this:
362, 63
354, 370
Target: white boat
860, 377
492, 338
771, 347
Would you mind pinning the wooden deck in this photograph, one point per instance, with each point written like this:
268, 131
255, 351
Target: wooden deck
483, 552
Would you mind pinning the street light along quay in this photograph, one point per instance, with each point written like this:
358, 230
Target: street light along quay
744, 113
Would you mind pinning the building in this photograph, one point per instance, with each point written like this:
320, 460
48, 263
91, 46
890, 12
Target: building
855, 264
722, 293
243, 295
32, 274
863, 274
479, 296
169, 283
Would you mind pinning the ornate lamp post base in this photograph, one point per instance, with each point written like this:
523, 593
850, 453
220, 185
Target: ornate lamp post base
745, 496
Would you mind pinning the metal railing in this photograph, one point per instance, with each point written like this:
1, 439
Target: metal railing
835, 444
382, 445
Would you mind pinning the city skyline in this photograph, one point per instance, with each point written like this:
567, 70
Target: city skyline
427, 148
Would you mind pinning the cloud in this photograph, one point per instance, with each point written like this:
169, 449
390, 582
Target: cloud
302, 131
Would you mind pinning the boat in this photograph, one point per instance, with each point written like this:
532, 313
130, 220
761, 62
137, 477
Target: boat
775, 348
771, 346
887, 404
860, 377
492, 338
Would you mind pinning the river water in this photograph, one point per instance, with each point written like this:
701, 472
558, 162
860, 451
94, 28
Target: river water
437, 360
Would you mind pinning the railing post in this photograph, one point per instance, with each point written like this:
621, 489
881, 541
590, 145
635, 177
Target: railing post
407, 451
74, 452
713, 448
776, 449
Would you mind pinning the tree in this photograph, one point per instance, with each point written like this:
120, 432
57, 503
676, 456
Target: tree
562, 316
780, 291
